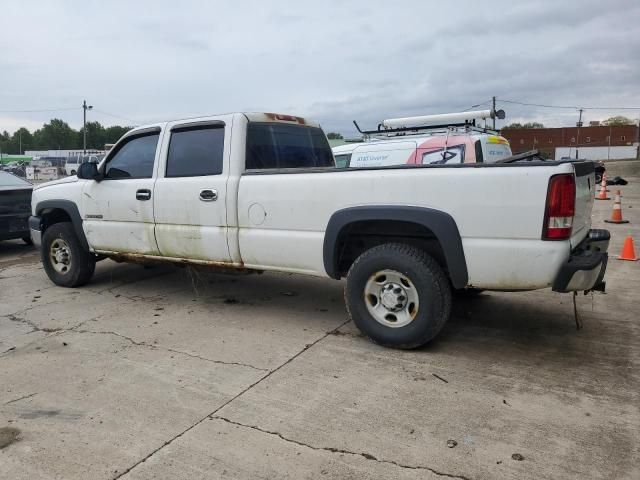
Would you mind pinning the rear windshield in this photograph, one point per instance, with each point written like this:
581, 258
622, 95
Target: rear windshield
274, 145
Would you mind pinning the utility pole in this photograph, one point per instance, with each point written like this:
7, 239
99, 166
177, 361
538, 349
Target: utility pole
85, 107
20, 137
579, 124
493, 113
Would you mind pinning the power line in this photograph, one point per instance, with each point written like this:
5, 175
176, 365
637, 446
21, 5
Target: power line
41, 110
66, 109
116, 116
477, 105
566, 106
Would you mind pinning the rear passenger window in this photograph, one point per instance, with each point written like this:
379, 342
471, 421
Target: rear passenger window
273, 145
195, 151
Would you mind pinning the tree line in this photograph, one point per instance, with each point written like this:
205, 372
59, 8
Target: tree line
609, 122
58, 135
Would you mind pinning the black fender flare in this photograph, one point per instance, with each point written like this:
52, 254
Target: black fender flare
440, 223
71, 209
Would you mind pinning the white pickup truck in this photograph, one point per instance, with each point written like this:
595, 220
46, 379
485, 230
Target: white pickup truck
259, 191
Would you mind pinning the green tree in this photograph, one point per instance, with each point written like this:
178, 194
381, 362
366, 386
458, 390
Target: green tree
516, 125
512, 126
57, 134
113, 134
334, 136
617, 120
21, 140
95, 136
5, 142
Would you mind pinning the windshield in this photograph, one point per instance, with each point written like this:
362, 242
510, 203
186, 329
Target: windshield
8, 180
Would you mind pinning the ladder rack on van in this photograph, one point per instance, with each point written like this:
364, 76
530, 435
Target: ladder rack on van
415, 125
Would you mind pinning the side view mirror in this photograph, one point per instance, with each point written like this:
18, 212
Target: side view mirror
88, 171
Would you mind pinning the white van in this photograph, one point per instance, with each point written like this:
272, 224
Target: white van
423, 144
458, 147
73, 163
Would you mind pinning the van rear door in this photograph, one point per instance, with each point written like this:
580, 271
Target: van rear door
494, 148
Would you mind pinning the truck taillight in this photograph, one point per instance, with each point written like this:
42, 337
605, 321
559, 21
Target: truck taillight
560, 209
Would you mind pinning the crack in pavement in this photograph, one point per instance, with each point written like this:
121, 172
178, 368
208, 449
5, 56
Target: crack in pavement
20, 398
366, 455
34, 328
242, 392
159, 347
50, 332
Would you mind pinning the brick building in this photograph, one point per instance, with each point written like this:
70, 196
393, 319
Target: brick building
548, 139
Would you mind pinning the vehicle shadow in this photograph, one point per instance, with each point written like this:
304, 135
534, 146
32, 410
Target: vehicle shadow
526, 321
523, 324
183, 285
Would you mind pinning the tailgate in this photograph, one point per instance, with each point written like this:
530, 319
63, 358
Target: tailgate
585, 194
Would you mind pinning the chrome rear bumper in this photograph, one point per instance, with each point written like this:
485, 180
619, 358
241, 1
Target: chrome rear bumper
586, 266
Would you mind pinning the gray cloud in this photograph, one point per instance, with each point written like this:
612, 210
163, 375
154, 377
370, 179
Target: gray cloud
334, 61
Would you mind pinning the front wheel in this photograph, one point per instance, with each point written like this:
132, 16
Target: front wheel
64, 259
398, 295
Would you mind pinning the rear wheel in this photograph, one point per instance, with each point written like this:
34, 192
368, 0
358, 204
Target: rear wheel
64, 259
27, 239
398, 295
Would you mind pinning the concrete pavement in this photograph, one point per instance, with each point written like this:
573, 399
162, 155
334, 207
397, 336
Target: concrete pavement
168, 373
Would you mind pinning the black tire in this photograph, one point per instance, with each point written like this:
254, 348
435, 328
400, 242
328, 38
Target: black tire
428, 280
82, 263
27, 240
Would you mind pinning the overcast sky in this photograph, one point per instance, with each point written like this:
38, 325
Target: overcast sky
333, 61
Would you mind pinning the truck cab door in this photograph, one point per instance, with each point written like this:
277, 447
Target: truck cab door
118, 210
190, 198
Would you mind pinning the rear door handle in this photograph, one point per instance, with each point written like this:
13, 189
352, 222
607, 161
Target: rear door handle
208, 195
143, 194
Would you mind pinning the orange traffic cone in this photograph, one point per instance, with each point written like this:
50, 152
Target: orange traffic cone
616, 214
604, 181
603, 193
628, 250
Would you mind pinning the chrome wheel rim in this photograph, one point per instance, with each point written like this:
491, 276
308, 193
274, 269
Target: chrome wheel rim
391, 298
60, 256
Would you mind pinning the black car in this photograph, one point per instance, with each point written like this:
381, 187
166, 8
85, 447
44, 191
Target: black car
15, 207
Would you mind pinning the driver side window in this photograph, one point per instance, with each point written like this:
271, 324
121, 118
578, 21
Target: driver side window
134, 158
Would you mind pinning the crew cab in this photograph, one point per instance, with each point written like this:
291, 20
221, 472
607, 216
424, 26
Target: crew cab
260, 191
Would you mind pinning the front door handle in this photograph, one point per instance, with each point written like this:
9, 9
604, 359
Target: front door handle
208, 195
143, 194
